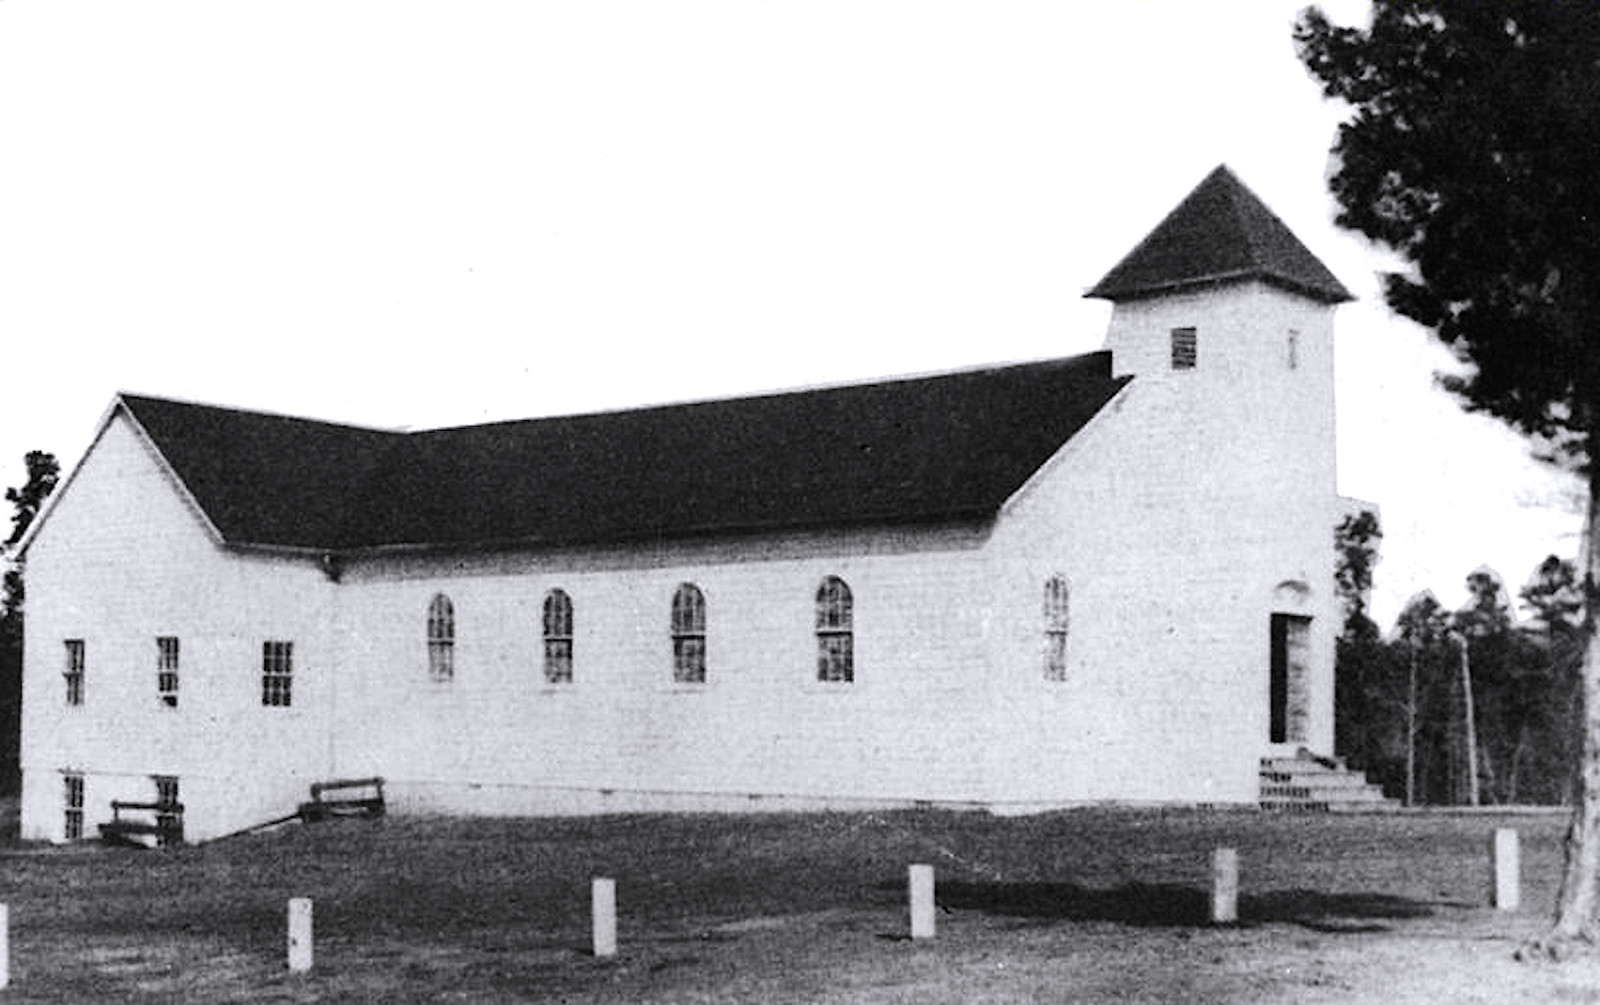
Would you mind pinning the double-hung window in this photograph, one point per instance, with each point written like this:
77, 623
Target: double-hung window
167, 670
1056, 620
72, 797
557, 637
441, 638
277, 674
835, 632
688, 635
72, 673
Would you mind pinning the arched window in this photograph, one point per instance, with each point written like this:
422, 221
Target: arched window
557, 637
689, 635
1056, 622
441, 638
835, 632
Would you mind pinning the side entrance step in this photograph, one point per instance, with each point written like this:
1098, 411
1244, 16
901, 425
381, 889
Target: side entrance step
1307, 783
344, 797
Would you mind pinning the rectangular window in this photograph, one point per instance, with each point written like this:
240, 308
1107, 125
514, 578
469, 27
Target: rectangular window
167, 670
73, 672
277, 673
72, 826
1185, 348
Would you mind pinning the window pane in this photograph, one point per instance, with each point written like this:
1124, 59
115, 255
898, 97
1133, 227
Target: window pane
689, 659
835, 658
558, 661
557, 615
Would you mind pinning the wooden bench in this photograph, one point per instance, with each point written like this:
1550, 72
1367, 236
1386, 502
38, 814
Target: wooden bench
365, 799
166, 827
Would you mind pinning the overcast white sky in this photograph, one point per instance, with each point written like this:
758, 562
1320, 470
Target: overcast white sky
429, 213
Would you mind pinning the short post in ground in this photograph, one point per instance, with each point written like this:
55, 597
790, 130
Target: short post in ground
300, 935
1507, 870
5, 946
604, 900
921, 901
1224, 886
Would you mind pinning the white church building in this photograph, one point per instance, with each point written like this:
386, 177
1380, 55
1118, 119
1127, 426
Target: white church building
1099, 578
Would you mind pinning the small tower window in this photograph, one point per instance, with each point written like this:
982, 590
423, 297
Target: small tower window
1292, 346
1185, 348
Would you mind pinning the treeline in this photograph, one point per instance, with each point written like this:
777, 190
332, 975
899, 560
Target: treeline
1471, 706
26, 501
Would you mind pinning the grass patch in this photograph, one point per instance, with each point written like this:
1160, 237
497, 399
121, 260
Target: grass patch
1084, 905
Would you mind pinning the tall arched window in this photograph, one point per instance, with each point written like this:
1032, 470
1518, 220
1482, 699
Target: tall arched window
689, 635
557, 637
1056, 622
835, 632
441, 638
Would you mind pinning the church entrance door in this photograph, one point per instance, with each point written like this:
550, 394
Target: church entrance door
1289, 684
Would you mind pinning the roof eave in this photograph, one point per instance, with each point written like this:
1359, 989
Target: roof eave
1117, 293
974, 515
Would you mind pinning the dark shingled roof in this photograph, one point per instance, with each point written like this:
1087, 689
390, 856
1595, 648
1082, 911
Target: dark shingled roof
950, 446
264, 479
1221, 233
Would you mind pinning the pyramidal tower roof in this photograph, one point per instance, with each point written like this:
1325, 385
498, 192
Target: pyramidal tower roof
1222, 232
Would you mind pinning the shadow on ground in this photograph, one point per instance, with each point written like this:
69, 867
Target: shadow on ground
1155, 905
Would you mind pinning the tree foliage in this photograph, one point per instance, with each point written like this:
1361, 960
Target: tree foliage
26, 500
1470, 151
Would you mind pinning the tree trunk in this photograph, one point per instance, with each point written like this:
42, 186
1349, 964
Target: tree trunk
1576, 903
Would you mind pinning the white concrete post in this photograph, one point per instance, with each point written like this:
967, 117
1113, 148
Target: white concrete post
299, 935
1507, 870
921, 901
605, 917
1224, 886
5, 946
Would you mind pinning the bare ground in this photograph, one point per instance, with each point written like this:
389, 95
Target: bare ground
1094, 905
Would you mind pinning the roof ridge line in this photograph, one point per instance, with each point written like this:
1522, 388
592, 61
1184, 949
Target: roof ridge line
262, 412
772, 393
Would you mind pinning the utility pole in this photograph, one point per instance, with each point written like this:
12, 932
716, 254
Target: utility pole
1411, 727
1472, 729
